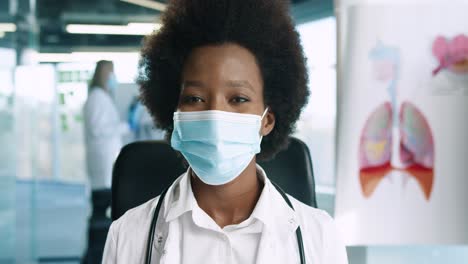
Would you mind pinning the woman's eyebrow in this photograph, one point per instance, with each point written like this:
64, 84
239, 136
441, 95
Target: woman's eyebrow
239, 83
195, 84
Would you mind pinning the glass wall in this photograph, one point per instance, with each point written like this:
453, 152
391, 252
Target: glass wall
33, 101
72, 91
7, 157
44, 198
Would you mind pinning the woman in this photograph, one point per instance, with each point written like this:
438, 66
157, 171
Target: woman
103, 128
224, 77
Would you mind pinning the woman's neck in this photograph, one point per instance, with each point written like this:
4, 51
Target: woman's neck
230, 203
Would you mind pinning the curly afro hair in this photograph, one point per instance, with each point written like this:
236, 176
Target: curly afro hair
264, 27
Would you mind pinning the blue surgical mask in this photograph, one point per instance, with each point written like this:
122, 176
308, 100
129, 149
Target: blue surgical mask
218, 145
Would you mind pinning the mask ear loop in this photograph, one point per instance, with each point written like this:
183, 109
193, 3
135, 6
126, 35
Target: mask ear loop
265, 112
263, 115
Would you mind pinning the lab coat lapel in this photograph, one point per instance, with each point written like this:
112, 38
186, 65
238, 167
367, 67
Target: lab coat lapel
278, 246
278, 243
171, 252
167, 235
266, 249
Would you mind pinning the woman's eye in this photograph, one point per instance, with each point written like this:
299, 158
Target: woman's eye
192, 99
239, 99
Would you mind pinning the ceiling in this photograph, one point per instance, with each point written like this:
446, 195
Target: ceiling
54, 15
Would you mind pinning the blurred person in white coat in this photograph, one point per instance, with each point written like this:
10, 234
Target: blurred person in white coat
103, 127
103, 137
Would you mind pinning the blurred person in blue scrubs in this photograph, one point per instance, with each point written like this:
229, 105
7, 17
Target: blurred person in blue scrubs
141, 124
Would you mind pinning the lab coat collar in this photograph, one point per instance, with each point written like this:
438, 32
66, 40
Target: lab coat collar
271, 209
181, 199
274, 211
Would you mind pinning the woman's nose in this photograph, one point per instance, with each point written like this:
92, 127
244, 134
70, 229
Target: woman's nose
217, 103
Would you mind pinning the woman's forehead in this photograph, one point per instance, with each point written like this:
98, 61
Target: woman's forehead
229, 63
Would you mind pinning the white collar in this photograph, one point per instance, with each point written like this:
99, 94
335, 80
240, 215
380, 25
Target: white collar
271, 209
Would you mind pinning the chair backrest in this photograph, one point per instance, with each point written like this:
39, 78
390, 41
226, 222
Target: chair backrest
292, 170
141, 172
144, 169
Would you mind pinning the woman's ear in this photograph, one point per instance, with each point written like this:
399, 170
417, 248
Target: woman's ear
268, 123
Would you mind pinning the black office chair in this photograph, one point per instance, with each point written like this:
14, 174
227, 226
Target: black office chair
144, 169
141, 172
292, 170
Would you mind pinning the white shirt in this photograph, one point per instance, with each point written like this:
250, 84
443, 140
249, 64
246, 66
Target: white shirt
186, 234
103, 137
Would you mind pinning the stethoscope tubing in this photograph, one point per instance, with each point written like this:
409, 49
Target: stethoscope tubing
154, 221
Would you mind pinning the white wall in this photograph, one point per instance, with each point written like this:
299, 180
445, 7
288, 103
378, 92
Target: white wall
394, 254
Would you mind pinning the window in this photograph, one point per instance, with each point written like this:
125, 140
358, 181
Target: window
316, 126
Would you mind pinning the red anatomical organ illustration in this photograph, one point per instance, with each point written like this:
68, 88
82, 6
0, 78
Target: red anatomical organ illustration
396, 136
451, 54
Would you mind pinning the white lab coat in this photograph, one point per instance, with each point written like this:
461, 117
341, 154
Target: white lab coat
127, 237
103, 137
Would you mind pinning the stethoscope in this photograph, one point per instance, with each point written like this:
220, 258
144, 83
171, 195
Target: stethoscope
158, 208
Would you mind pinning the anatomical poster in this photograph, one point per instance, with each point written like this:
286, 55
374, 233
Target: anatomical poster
402, 141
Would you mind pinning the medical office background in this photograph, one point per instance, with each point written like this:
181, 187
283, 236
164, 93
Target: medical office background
44, 192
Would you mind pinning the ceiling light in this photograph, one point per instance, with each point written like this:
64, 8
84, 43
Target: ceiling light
7, 27
141, 29
53, 57
148, 4
85, 56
